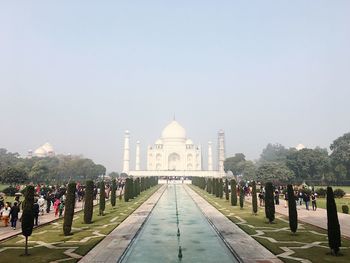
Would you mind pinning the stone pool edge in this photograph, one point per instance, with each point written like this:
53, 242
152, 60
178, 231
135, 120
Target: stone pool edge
113, 247
243, 245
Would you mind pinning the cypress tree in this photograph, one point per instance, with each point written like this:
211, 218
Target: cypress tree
28, 215
89, 202
113, 194
69, 209
217, 186
292, 210
333, 227
227, 194
213, 186
209, 186
269, 202
127, 189
102, 198
241, 197
233, 192
254, 199
221, 188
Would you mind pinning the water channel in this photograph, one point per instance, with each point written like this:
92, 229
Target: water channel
159, 240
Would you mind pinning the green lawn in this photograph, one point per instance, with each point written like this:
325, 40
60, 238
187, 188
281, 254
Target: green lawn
3, 186
277, 236
321, 203
48, 243
346, 189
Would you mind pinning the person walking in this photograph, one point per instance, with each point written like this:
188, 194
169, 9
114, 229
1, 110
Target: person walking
301, 197
313, 200
56, 205
286, 200
36, 210
277, 197
5, 214
14, 215
60, 208
306, 200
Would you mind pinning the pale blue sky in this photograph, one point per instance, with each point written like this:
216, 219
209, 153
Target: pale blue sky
78, 73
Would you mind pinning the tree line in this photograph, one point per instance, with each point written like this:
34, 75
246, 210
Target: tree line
279, 164
58, 169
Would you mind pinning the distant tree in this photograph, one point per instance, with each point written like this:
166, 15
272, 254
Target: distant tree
102, 198
39, 172
13, 175
341, 153
269, 202
217, 185
113, 175
274, 153
333, 227
113, 194
274, 172
89, 202
233, 192
69, 209
292, 210
127, 189
235, 164
249, 171
28, 215
254, 199
227, 194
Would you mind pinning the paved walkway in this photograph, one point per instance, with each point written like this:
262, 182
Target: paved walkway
243, 245
8, 232
317, 218
113, 246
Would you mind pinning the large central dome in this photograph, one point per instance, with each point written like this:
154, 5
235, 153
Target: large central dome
174, 131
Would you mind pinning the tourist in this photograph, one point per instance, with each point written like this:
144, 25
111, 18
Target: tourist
2, 203
5, 214
277, 197
301, 196
56, 205
36, 210
306, 200
286, 199
14, 215
60, 208
313, 200
41, 203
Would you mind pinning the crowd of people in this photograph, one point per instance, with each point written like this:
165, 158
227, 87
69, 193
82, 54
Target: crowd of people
48, 199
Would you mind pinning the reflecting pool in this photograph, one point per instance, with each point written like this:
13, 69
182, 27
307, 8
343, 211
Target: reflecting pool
158, 240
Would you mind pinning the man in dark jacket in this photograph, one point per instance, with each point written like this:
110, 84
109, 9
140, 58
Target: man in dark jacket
36, 210
14, 215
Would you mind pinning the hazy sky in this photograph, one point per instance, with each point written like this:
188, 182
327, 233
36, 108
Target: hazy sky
78, 73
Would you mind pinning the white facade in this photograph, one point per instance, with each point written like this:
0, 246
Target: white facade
173, 154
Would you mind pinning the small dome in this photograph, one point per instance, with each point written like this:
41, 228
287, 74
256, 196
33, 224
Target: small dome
40, 152
174, 130
159, 141
189, 141
47, 147
300, 147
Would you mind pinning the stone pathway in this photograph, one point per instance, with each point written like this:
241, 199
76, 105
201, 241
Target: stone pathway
317, 218
113, 246
243, 245
8, 232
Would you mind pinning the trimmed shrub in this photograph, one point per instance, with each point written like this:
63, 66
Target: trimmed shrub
345, 209
102, 198
233, 192
227, 194
292, 210
28, 215
69, 209
269, 202
321, 192
217, 187
113, 193
333, 227
221, 188
254, 199
339, 193
89, 202
241, 197
127, 188
10, 191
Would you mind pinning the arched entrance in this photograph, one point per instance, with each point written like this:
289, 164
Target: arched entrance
174, 161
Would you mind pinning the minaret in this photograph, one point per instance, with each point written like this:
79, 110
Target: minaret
221, 150
126, 164
210, 157
137, 163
